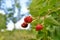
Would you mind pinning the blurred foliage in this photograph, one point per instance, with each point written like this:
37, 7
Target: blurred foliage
48, 12
41, 7
17, 4
2, 21
17, 35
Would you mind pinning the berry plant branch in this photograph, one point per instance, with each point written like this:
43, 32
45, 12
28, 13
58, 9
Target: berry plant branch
43, 23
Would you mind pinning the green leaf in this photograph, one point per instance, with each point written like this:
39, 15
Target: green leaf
52, 21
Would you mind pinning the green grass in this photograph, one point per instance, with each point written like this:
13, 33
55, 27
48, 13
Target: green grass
17, 35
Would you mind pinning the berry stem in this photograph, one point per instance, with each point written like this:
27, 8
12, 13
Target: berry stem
35, 18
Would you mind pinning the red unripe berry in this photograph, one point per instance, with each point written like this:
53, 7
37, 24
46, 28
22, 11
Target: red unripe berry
39, 27
28, 19
24, 25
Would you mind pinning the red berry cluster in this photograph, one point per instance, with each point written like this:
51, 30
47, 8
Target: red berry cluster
27, 20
